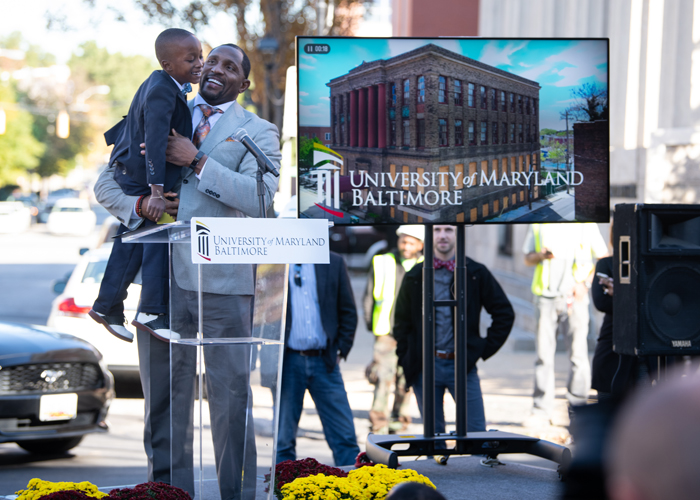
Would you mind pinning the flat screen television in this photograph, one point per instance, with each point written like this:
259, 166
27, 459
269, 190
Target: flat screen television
452, 130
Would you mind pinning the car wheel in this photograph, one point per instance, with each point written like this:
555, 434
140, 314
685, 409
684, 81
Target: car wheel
50, 446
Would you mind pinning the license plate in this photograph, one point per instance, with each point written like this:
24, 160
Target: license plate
58, 407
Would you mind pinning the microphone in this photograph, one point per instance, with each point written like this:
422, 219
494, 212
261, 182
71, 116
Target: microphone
242, 136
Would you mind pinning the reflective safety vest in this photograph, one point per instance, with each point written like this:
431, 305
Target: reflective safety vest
582, 267
384, 290
540, 280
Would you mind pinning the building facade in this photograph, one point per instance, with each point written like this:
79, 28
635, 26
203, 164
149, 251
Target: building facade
444, 119
323, 134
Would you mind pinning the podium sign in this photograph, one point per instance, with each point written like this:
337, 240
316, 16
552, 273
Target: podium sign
218, 240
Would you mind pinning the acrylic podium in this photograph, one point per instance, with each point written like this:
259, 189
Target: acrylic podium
226, 363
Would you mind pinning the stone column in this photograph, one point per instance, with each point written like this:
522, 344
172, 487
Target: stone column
353, 118
372, 117
362, 121
381, 110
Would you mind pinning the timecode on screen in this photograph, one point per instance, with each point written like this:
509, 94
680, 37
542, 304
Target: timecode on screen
317, 48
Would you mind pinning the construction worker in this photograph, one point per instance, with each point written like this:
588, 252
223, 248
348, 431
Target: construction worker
383, 284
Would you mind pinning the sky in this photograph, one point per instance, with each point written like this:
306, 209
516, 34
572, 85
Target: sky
557, 65
134, 37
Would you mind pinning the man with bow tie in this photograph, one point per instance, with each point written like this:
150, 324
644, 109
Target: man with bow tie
218, 180
482, 291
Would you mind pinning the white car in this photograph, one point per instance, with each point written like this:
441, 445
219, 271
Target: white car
14, 217
71, 216
69, 312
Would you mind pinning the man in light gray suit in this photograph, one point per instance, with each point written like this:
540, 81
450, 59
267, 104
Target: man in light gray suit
218, 180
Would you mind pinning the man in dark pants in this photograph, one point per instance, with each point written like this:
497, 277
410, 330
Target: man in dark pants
482, 291
219, 180
320, 329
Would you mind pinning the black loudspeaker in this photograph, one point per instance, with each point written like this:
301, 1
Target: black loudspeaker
656, 301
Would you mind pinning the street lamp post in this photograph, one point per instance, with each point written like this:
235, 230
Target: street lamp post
268, 46
63, 119
86, 94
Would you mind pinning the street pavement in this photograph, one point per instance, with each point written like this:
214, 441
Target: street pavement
554, 208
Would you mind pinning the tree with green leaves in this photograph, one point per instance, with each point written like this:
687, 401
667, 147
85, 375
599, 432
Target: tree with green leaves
20, 151
33, 131
557, 152
253, 20
92, 65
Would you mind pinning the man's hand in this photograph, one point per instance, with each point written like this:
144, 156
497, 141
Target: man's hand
180, 150
172, 202
580, 291
534, 258
607, 284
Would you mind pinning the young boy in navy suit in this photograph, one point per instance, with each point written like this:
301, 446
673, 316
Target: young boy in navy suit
159, 106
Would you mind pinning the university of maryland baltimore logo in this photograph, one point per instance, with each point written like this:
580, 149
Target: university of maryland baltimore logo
327, 164
202, 240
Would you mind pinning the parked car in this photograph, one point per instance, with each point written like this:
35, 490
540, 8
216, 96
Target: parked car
15, 217
47, 205
31, 201
357, 244
76, 296
54, 389
108, 230
71, 216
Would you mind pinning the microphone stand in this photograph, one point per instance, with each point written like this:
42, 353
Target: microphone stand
262, 168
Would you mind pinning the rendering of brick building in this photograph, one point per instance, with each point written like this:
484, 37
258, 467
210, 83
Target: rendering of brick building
434, 111
323, 134
591, 147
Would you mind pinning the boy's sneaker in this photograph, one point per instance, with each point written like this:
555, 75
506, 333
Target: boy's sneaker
113, 324
156, 325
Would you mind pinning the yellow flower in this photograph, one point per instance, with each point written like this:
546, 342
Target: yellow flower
37, 488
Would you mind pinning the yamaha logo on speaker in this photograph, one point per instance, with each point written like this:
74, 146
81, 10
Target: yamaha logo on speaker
681, 343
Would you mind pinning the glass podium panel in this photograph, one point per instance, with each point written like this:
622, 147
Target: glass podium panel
225, 360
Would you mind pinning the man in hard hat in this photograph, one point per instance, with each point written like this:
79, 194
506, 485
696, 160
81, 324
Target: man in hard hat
383, 284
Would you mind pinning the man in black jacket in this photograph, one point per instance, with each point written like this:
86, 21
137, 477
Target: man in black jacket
482, 291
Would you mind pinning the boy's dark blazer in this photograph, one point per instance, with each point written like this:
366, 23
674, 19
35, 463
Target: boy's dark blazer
157, 107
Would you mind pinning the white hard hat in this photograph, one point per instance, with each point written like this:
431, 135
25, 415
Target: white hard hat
416, 231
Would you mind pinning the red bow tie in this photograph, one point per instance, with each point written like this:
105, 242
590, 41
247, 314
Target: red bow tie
447, 264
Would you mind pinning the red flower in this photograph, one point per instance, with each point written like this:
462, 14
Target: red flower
149, 491
289, 470
363, 460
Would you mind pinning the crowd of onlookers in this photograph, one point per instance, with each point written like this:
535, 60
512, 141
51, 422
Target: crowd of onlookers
637, 442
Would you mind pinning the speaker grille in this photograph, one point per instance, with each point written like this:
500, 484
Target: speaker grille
673, 304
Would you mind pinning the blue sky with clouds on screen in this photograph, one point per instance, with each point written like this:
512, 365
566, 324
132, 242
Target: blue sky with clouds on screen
557, 65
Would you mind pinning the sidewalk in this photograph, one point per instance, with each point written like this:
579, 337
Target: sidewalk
556, 207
